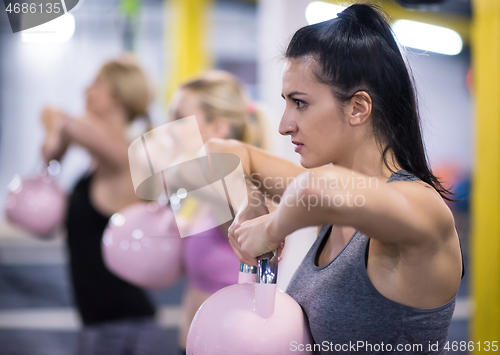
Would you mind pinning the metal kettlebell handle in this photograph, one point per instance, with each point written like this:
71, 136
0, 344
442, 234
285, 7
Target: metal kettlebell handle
267, 269
248, 269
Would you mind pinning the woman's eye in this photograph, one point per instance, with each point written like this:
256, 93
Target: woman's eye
300, 103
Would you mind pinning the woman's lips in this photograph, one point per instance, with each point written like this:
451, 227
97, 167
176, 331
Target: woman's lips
298, 146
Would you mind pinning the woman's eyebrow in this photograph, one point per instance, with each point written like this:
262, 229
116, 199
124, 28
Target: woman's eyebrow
293, 93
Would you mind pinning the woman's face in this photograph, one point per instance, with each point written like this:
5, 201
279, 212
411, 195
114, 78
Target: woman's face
313, 117
100, 99
186, 103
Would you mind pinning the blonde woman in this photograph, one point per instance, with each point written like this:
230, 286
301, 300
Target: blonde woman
222, 110
117, 316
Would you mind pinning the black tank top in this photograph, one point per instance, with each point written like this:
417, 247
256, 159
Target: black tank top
100, 296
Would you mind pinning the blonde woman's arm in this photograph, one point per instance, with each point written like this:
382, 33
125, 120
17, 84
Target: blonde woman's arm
88, 133
54, 145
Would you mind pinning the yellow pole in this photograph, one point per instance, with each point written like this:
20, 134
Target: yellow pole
486, 178
188, 52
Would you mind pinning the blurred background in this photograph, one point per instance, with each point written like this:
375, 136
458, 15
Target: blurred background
173, 40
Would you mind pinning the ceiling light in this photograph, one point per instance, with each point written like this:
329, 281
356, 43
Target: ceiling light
319, 11
427, 37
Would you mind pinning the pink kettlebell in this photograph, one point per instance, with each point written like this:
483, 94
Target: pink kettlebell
250, 318
142, 245
36, 204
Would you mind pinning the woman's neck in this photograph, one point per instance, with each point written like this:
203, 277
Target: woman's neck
115, 122
368, 159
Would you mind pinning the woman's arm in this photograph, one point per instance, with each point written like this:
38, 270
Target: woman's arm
402, 213
269, 173
113, 150
54, 146
63, 130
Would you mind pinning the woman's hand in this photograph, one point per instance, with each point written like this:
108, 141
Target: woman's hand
255, 237
55, 143
249, 213
255, 206
51, 118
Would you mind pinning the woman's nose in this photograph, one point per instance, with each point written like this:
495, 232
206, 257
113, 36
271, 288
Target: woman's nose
287, 126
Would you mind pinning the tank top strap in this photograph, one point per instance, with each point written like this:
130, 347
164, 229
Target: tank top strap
402, 175
310, 257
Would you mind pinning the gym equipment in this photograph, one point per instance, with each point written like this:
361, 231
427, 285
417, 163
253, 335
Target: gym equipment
142, 245
36, 204
250, 318
247, 274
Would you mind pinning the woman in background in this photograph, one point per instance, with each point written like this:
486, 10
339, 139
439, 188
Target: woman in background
118, 317
222, 110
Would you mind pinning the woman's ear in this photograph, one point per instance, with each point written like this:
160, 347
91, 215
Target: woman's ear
359, 108
221, 128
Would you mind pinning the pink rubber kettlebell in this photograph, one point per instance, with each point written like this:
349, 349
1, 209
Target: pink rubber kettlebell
250, 318
36, 204
142, 245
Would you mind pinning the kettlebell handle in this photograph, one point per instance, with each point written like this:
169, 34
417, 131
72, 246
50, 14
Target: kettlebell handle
248, 269
266, 272
267, 269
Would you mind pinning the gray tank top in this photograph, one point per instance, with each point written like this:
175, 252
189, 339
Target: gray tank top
348, 315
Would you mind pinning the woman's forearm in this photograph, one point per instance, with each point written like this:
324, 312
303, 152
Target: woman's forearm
296, 210
54, 146
111, 150
270, 173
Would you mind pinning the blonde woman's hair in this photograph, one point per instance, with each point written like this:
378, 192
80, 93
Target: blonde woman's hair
222, 96
129, 85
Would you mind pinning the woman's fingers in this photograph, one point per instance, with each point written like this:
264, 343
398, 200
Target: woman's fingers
236, 241
46, 117
233, 241
251, 239
280, 250
50, 118
237, 251
234, 226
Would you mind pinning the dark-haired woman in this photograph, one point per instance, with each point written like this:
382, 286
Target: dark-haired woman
386, 266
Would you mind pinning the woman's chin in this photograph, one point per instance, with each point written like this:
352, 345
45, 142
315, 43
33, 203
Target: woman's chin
307, 163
